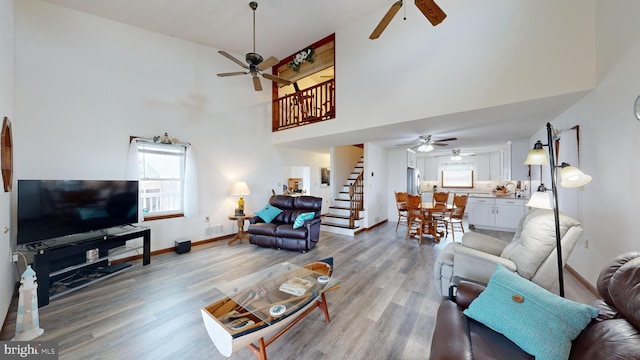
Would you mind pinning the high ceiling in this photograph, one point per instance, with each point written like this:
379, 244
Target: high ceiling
283, 27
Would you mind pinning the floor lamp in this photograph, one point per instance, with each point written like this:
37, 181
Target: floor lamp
571, 177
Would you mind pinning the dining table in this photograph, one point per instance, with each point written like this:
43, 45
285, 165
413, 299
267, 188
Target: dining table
428, 211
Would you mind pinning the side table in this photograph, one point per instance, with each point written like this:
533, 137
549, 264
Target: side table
240, 219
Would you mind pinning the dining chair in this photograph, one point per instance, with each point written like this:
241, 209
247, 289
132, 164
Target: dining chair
415, 216
440, 199
401, 204
455, 216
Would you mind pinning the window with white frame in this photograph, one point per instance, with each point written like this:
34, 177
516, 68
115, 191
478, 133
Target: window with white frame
161, 172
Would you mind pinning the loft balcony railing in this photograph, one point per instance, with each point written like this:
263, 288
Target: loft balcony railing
307, 106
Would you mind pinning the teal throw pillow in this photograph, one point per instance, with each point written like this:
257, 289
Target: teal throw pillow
302, 218
268, 213
541, 323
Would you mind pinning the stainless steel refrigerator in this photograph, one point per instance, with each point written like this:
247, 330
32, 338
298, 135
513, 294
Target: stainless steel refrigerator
413, 181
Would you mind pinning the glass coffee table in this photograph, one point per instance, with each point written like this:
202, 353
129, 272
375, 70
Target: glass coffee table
267, 303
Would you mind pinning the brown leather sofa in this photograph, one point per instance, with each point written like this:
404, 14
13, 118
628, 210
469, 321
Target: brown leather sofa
615, 334
279, 233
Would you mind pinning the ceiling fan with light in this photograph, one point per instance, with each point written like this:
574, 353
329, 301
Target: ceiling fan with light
457, 154
425, 143
429, 8
255, 63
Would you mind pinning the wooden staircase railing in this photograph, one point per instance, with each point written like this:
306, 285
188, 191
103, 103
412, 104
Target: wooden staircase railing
356, 202
307, 106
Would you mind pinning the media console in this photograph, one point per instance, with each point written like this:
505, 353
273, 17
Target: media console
67, 264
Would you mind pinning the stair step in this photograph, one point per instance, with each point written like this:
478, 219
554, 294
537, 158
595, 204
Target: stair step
339, 216
341, 208
339, 226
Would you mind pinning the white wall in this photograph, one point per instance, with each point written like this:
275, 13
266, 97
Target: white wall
609, 136
85, 84
415, 71
343, 161
8, 274
376, 186
396, 179
317, 161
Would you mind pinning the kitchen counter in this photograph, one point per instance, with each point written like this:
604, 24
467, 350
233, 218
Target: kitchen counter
496, 196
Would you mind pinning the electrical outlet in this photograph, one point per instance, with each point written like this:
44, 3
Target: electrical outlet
14, 258
206, 219
585, 243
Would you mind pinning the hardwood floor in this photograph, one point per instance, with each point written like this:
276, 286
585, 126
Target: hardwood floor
385, 308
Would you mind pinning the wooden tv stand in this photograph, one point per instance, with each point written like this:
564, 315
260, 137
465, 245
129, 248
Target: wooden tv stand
62, 257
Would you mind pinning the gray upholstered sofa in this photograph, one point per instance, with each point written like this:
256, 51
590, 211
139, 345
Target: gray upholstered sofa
531, 253
280, 232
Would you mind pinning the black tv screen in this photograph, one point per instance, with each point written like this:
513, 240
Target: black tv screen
49, 209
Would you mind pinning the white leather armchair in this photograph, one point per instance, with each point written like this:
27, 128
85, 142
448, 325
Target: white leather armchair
531, 253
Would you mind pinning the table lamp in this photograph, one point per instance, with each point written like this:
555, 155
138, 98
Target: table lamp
240, 188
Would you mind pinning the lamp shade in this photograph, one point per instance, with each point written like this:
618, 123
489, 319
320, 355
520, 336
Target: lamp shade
540, 199
537, 155
572, 177
239, 188
425, 148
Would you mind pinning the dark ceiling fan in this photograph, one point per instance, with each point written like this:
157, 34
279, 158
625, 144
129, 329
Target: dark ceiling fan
429, 8
425, 143
255, 63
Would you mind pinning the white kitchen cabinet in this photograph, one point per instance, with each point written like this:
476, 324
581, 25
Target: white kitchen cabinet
509, 212
420, 167
513, 157
488, 166
495, 213
480, 212
519, 151
483, 167
411, 159
431, 172
495, 161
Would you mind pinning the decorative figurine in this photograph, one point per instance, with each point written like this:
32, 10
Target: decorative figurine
165, 139
27, 321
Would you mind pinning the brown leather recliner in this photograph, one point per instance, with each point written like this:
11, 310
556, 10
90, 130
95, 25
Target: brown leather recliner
279, 233
615, 334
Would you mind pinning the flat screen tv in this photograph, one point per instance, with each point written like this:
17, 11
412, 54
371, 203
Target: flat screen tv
49, 209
